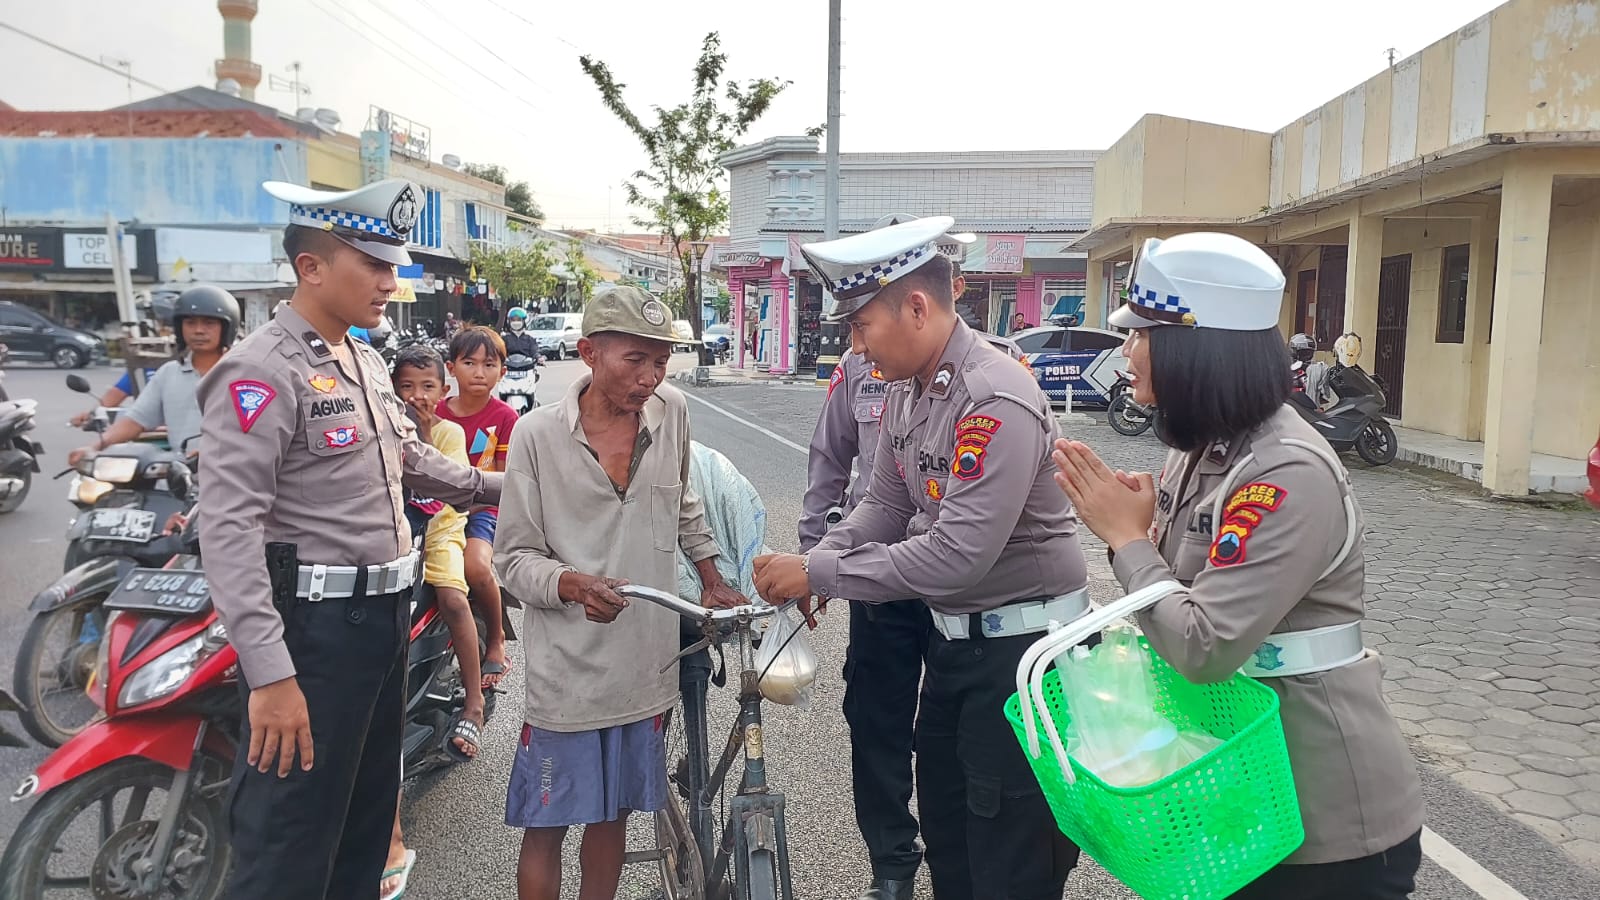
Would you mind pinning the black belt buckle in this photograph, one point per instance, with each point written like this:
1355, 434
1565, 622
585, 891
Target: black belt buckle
975, 626
359, 590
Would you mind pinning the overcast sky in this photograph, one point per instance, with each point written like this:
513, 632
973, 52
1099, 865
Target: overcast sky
925, 75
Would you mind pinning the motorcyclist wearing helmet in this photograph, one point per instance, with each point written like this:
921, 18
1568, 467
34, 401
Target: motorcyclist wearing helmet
206, 319
1310, 377
517, 337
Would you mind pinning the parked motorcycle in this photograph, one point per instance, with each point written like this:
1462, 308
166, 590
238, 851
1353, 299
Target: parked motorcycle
520, 383
1124, 415
166, 679
1355, 421
19, 454
9, 703
133, 489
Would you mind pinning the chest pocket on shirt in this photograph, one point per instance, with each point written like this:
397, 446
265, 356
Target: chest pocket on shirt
665, 500
342, 471
1194, 545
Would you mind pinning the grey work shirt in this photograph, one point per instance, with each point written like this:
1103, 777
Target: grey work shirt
300, 446
172, 398
1251, 563
963, 510
562, 513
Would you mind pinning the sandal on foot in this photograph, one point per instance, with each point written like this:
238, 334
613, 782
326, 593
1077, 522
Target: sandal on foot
401, 872
491, 669
463, 728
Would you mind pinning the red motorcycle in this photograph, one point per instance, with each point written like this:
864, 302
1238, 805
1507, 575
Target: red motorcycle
139, 797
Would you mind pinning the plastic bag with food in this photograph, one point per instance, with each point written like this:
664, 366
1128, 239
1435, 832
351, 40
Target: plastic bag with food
786, 662
1114, 729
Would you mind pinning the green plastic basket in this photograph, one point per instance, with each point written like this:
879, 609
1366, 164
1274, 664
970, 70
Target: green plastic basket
1201, 833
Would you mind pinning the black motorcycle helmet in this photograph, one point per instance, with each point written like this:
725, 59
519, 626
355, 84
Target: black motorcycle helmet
210, 302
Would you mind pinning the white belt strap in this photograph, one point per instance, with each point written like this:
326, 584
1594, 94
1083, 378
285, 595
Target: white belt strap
1026, 617
317, 583
1306, 652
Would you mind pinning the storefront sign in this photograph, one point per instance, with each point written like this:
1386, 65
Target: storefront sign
193, 254
92, 250
1001, 253
30, 249
730, 260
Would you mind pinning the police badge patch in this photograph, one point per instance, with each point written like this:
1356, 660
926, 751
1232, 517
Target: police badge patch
250, 399
403, 212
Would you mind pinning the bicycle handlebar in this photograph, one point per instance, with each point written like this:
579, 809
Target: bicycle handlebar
694, 611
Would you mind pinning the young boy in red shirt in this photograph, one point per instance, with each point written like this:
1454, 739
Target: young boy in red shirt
477, 360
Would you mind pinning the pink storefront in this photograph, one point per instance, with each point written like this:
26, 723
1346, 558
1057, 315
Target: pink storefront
763, 313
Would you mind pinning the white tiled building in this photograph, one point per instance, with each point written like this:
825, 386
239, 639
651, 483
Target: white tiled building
1025, 206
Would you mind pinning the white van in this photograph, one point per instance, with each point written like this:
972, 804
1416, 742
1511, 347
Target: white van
557, 333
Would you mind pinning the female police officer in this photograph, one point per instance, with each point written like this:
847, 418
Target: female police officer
1254, 514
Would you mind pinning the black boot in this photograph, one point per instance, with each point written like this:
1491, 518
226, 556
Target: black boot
889, 889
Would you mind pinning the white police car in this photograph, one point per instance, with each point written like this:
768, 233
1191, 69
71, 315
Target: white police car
1065, 356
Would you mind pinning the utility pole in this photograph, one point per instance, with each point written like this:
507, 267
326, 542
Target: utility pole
830, 345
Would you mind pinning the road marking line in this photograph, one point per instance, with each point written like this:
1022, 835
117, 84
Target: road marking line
1481, 881
748, 424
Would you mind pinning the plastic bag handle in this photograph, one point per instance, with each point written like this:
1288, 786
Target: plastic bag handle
1036, 661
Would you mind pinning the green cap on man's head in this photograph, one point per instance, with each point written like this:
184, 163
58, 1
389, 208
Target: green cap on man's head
628, 310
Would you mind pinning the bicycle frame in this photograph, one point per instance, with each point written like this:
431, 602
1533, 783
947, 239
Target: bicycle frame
755, 835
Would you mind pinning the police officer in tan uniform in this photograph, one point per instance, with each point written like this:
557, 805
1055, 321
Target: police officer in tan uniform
1255, 516
304, 447
883, 660
961, 513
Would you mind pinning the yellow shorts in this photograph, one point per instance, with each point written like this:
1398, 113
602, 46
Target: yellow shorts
446, 567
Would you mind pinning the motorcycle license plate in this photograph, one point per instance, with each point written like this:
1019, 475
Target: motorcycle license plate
135, 525
173, 592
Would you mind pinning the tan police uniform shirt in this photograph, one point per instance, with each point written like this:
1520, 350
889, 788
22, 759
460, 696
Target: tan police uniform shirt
1251, 563
300, 447
562, 513
846, 435
963, 510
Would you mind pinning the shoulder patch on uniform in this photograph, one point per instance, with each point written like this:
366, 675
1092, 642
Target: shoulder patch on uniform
836, 379
978, 423
943, 378
316, 343
1240, 518
250, 399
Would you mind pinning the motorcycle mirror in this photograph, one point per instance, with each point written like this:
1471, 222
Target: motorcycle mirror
80, 384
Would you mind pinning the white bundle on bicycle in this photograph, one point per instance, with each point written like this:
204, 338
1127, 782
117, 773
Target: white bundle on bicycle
787, 664
737, 517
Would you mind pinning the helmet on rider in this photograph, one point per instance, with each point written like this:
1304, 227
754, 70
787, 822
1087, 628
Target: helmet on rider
207, 301
1303, 347
517, 318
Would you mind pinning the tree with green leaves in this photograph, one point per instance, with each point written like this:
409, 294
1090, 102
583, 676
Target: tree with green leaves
519, 197
518, 273
584, 277
680, 186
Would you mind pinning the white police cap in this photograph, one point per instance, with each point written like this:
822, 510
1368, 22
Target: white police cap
855, 268
375, 219
1205, 280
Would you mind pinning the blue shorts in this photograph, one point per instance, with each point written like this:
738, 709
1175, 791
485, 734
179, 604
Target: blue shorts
579, 778
481, 525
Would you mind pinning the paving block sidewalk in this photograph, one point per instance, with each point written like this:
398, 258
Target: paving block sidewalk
1487, 615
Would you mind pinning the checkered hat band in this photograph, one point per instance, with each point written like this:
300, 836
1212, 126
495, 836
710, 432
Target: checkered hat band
316, 215
867, 280
1159, 302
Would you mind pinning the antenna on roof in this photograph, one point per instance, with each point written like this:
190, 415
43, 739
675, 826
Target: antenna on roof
279, 83
127, 70
1390, 52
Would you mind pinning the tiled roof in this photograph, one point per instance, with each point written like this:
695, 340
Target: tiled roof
151, 124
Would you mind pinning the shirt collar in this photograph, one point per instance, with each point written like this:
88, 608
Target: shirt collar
956, 349
654, 409
186, 361
317, 348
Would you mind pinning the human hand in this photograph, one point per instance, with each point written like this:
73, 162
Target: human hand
427, 417
1117, 506
601, 602
176, 523
77, 455
719, 595
78, 420
279, 725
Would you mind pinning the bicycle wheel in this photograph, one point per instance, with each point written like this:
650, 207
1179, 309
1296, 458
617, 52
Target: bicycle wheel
682, 876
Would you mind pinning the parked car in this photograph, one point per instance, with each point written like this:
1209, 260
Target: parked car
557, 333
718, 338
1077, 358
31, 335
1593, 494
684, 332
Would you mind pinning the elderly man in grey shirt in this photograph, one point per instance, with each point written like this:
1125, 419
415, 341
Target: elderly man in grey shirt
206, 319
596, 496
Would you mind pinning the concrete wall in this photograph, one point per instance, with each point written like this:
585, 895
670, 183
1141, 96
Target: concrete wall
1567, 408
1438, 377
188, 181
1530, 65
334, 164
1177, 151
1119, 176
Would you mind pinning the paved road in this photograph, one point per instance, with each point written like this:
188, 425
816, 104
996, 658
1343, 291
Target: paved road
1424, 529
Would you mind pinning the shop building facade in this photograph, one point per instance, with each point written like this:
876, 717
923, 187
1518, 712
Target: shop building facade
1025, 207
1447, 211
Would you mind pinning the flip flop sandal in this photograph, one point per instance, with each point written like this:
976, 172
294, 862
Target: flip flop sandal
462, 727
492, 668
403, 873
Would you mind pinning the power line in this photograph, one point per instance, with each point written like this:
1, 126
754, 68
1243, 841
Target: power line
486, 48
534, 25
121, 72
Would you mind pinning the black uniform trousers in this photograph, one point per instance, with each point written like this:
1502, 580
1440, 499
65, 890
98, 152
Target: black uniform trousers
989, 831
325, 833
882, 672
1388, 875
